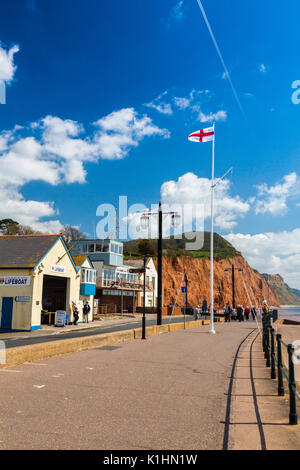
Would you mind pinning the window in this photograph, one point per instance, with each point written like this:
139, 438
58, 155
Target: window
108, 273
83, 248
88, 276
91, 247
105, 247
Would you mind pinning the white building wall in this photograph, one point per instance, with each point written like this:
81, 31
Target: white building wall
28, 315
21, 315
151, 295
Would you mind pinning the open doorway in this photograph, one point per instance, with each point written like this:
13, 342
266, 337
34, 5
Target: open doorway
54, 294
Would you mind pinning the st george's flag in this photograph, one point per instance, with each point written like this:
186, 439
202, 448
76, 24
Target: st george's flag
204, 135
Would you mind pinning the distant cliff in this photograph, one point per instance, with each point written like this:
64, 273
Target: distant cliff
250, 286
287, 296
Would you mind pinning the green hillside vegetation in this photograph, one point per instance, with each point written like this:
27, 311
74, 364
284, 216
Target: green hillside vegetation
296, 292
177, 248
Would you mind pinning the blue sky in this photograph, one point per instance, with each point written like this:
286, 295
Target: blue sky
154, 66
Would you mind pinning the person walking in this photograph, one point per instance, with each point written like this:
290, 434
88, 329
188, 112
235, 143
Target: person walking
86, 311
253, 313
240, 313
196, 312
247, 313
227, 312
75, 313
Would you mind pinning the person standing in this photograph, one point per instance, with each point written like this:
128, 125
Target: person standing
247, 313
227, 312
240, 313
75, 313
196, 313
86, 311
265, 308
204, 306
253, 312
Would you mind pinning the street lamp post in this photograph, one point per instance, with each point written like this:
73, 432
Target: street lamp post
185, 295
144, 223
142, 271
144, 303
159, 266
233, 281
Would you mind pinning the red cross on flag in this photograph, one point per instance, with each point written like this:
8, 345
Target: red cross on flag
204, 135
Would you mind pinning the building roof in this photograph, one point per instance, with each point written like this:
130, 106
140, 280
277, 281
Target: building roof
79, 259
24, 251
136, 262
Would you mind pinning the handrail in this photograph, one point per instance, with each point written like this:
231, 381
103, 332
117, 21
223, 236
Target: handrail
271, 358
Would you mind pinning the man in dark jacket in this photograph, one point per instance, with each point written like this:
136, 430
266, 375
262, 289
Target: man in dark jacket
86, 311
240, 313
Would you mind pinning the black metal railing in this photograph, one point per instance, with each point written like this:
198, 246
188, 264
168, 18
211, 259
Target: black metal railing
268, 341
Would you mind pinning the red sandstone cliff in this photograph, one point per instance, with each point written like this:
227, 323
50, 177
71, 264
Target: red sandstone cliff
198, 273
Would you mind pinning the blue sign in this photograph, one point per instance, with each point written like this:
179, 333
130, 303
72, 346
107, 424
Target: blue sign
184, 289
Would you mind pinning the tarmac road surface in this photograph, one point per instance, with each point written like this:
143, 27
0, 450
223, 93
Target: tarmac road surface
169, 392
60, 334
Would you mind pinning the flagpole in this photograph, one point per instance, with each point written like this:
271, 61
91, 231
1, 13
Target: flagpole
212, 330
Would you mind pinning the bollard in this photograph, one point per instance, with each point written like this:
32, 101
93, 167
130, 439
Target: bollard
292, 386
279, 367
268, 364
273, 368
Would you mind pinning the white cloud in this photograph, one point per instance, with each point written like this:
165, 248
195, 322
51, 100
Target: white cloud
272, 253
182, 103
56, 152
189, 189
273, 199
218, 116
7, 67
262, 68
161, 106
192, 102
121, 130
177, 11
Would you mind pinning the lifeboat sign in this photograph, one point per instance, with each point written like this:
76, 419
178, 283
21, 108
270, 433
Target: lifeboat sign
14, 281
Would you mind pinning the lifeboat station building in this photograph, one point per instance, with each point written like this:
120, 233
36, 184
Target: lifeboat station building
38, 276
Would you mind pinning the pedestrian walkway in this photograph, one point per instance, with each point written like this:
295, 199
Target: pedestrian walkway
258, 419
183, 390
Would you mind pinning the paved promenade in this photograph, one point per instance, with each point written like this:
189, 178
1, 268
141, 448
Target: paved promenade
181, 390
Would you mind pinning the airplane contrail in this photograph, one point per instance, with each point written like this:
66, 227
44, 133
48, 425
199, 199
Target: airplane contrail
220, 55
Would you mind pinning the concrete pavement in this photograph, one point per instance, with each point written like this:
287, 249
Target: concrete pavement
169, 392
259, 418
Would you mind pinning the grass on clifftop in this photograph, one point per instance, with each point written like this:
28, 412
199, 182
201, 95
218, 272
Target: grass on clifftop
177, 248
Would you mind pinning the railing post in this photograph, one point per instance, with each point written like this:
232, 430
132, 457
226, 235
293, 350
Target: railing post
279, 367
264, 339
292, 386
273, 368
268, 364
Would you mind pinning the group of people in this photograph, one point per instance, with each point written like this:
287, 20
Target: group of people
241, 314
86, 311
236, 314
198, 310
